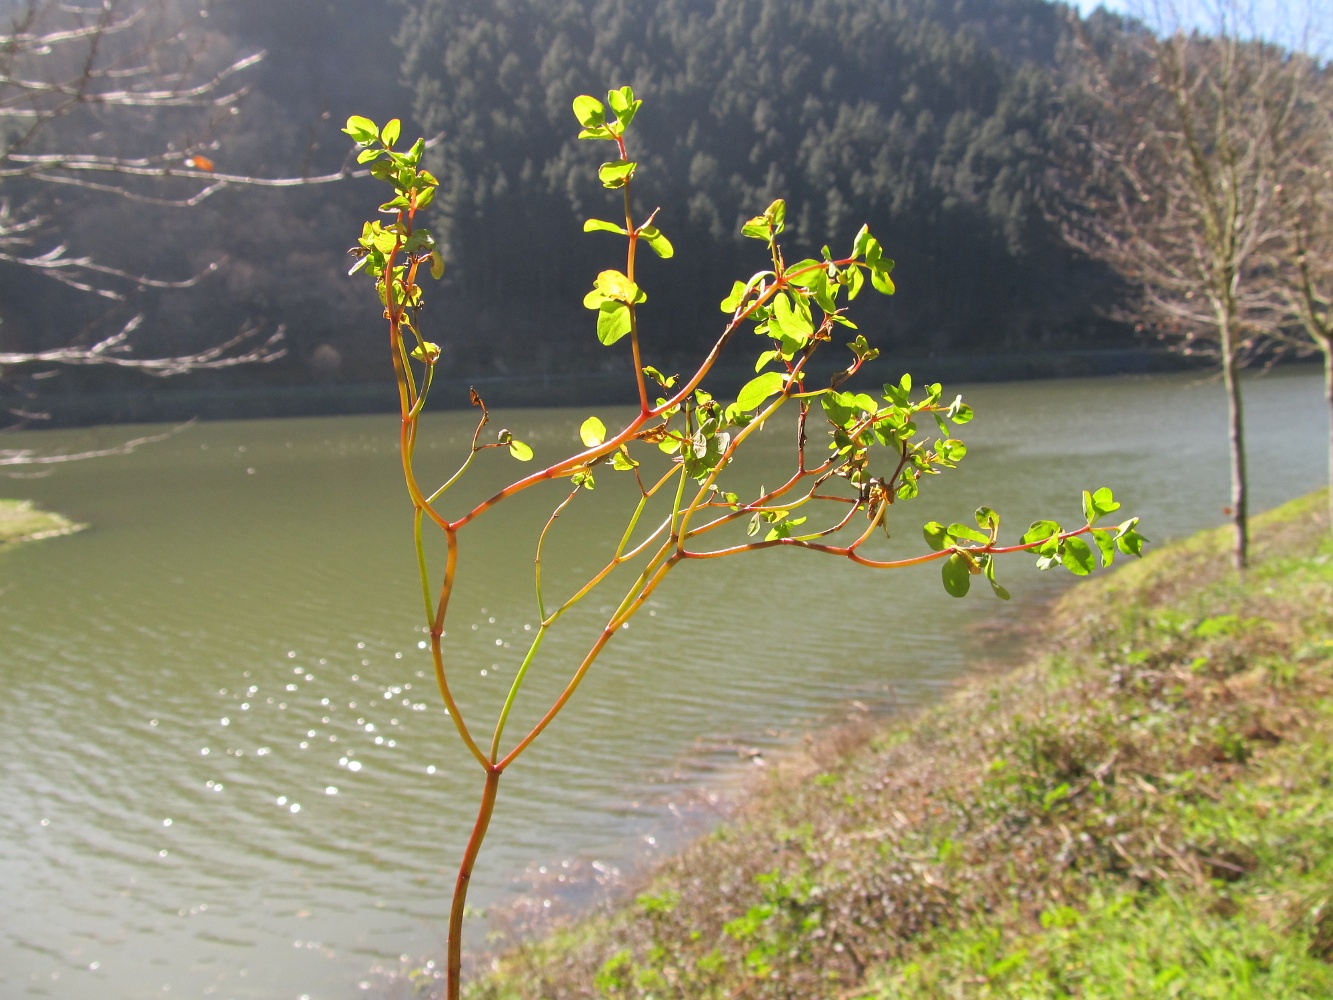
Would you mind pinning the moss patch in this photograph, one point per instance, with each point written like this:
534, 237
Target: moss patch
20, 521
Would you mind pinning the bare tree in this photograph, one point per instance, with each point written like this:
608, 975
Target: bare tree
1302, 267
1173, 185
85, 87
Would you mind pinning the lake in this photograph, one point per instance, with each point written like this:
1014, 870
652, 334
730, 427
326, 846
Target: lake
225, 768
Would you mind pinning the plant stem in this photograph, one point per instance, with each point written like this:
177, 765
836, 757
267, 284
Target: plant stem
464, 877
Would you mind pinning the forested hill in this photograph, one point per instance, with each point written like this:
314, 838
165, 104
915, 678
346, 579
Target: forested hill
931, 120
892, 112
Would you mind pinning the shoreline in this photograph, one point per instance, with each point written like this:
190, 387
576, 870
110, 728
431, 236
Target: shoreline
88, 407
1144, 776
21, 522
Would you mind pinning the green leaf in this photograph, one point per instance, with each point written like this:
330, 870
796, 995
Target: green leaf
776, 213
988, 520
988, 567
812, 268
583, 478
957, 575
616, 173
654, 238
425, 197
615, 287
793, 322
621, 462
520, 451
882, 282
783, 529
1040, 532
592, 432
613, 321
1105, 545
599, 226
962, 531
1129, 541
623, 104
363, 130
862, 240
733, 300
665, 381
855, 279
366, 155
426, 352
391, 132
937, 536
1077, 557
1099, 504
589, 111
757, 390
959, 412
757, 228
436, 266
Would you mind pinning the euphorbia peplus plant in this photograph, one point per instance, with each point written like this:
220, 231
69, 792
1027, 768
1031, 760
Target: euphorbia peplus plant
680, 442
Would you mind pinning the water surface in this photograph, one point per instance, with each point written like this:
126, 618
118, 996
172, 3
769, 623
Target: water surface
224, 764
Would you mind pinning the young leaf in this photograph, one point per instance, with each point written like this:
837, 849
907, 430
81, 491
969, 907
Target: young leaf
615, 286
623, 104
957, 575
654, 238
621, 462
1105, 545
391, 132
1040, 531
589, 111
363, 130
962, 531
665, 381
987, 519
937, 536
1077, 557
599, 226
879, 277
426, 352
757, 390
862, 240
757, 228
613, 321
733, 300
1129, 541
520, 451
793, 322
616, 173
592, 432
988, 567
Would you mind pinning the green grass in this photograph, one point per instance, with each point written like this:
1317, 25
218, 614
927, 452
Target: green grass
1143, 810
20, 521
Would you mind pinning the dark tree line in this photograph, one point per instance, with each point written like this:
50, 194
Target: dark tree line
933, 121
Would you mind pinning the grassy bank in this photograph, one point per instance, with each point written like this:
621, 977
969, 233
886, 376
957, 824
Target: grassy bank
1142, 810
20, 521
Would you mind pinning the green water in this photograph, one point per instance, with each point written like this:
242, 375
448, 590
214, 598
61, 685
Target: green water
190, 682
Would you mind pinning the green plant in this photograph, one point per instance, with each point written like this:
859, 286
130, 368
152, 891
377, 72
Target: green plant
681, 440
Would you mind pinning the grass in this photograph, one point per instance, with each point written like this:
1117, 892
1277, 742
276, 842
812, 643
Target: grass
1143, 810
20, 521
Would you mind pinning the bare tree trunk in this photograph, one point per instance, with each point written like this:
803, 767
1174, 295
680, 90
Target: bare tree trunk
1236, 440
1328, 397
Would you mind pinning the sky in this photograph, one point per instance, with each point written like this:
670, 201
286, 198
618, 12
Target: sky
1280, 20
